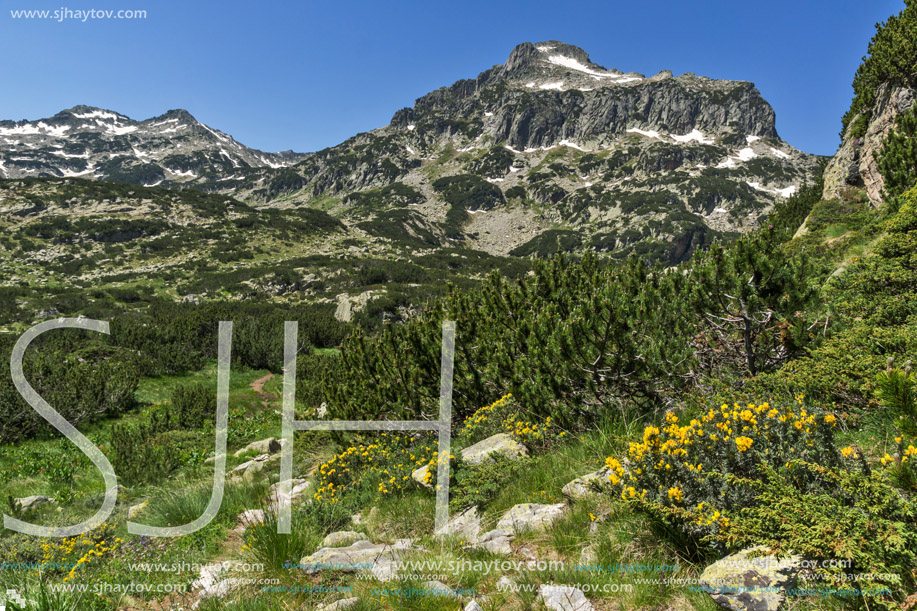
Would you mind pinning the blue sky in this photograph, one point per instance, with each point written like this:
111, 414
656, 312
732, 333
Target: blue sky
308, 74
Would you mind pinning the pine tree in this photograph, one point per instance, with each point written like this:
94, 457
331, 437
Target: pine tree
757, 304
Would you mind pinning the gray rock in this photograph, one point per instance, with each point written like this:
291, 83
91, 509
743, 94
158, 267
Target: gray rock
564, 598
500, 443
210, 584
343, 538
31, 502
339, 605
249, 469
496, 541
473, 606
420, 476
466, 525
264, 446
586, 486
505, 582
530, 516
855, 162
740, 582
357, 556
298, 489
250, 517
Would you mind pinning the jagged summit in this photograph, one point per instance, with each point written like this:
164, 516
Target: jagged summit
91, 142
554, 59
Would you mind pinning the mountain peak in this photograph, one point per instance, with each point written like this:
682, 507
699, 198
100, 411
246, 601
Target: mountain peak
554, 64
179, 114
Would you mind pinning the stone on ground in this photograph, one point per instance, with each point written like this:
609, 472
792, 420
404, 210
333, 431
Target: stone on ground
31, 502
264, 446
530, 516
343, 538
496, 541
564, 598
466, 525
586, 486
499, 444
339, 605
249, 469
740, 582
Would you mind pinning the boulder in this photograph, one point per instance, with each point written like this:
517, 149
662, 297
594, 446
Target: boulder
496, 541
211, 586
339, 605
586, 486
31, 502
473, 606
264, 446
249, 469
500, 443
361, 555
298, 489
466, 525
343, 538
564, 598
740, 582
530, 516
250, 517
421, 476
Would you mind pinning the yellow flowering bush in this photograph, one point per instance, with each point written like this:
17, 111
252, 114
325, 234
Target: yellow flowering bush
902, 467
78, 552
505, 416
388, 461
686, 465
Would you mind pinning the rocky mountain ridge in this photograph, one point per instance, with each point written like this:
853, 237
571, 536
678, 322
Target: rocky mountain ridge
88, 142
548, 151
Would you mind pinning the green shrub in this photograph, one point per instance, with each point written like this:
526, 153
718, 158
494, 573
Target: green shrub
139, 454
192, 405
855, 516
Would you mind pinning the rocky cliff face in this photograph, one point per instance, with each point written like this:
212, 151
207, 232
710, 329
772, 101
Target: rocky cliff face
91, 142
855, 163
551, 151
552, 92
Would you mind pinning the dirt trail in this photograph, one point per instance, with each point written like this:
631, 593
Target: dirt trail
258, 385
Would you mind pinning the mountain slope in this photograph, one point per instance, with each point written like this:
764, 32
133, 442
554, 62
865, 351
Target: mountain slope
171, 149
550, 150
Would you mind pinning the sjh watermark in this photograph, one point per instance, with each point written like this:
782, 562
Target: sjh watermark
443, 425
82, 15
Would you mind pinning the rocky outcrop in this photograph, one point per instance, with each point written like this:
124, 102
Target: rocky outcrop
856, 164
251, 468
564, 598
343, 538
499, 444
362, 555
264, 446
212, 584
586, 486
750, 581
466, 525
298, 490
530, 516
28, 503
